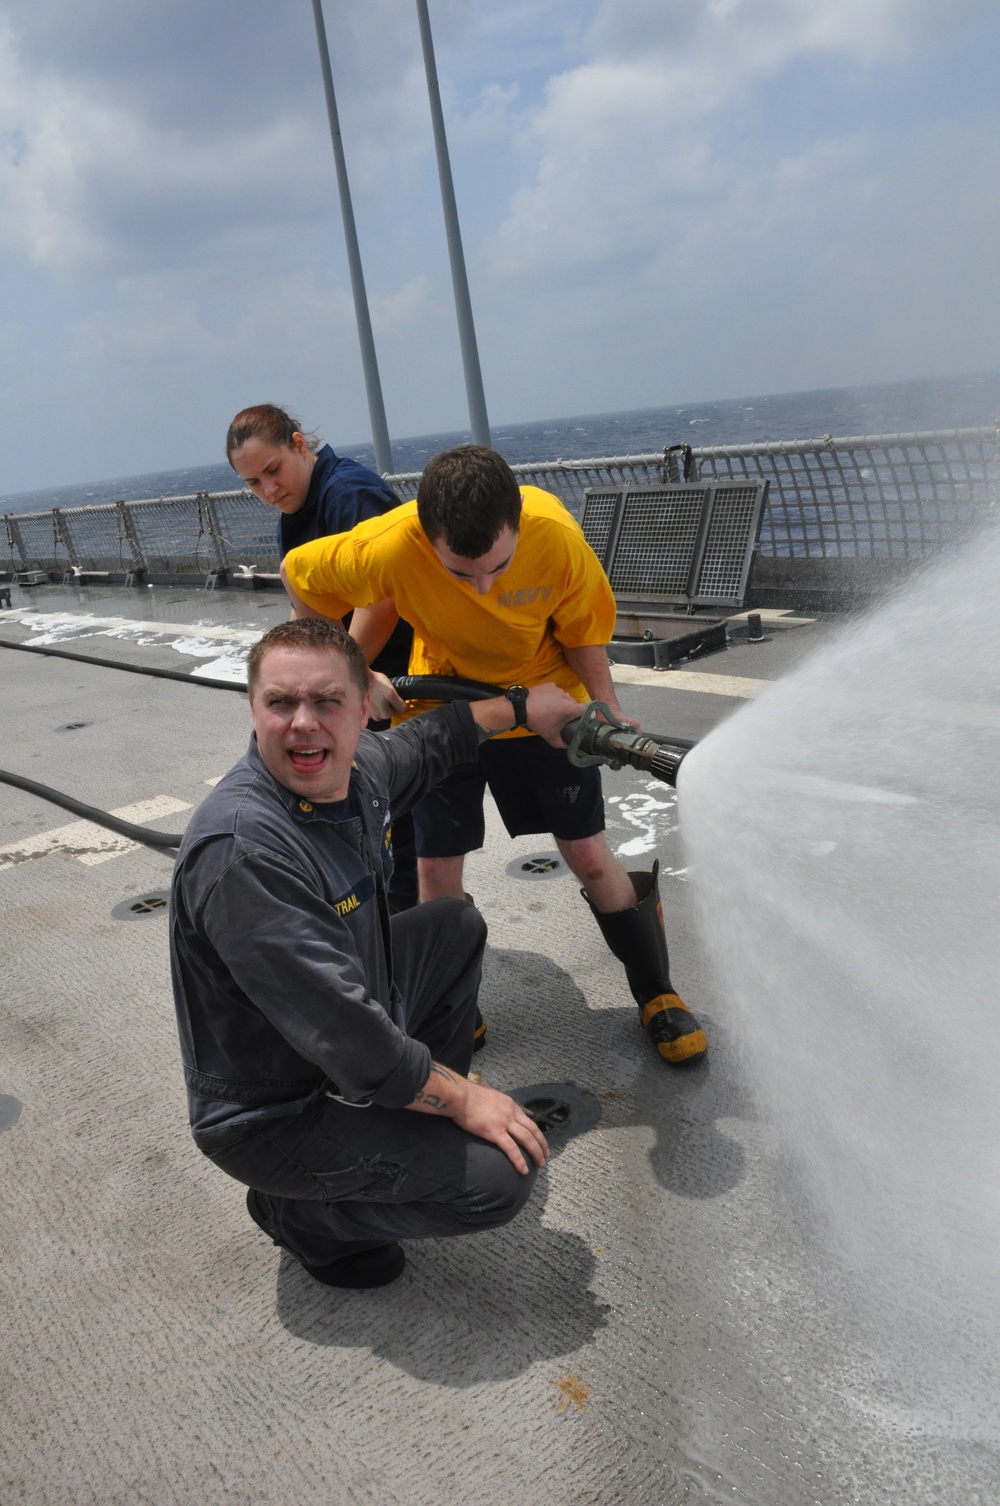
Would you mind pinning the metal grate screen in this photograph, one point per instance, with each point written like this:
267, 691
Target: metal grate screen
657, 536
683, 543
600, 509
732, 533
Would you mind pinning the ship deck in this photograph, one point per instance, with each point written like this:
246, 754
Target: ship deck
661, 1325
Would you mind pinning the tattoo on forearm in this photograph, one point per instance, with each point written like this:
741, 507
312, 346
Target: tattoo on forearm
436, 1101
432, 1101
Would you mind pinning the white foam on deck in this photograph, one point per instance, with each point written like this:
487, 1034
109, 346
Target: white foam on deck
57, 627
198, 640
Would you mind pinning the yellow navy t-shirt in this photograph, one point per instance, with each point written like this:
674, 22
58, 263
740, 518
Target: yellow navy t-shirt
553, 595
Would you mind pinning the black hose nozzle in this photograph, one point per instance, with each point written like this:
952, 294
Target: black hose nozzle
599, 737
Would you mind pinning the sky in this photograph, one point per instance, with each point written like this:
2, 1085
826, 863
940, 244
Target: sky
661, 201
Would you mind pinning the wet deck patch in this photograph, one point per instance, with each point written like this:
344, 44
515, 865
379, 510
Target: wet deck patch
10, 1111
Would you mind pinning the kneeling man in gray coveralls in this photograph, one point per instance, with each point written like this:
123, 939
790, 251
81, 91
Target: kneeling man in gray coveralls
326, 1045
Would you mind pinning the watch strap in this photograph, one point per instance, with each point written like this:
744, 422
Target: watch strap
517, 695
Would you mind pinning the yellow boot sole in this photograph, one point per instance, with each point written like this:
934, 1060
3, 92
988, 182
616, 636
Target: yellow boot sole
674, 1030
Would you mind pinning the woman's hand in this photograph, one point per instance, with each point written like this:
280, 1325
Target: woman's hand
384, 699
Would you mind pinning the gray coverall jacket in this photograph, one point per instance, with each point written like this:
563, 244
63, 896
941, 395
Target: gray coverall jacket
280, 951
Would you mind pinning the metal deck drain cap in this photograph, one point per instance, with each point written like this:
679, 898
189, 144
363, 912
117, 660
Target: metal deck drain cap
154, 903
561, 1110
10, 1111
538, 865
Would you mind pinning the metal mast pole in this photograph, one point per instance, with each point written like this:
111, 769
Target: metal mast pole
373, 387
478, 420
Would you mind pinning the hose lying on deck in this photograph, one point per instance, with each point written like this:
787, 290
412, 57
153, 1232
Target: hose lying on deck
144, 834
132, 669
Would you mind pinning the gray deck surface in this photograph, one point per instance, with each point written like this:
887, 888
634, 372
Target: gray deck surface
660, 1326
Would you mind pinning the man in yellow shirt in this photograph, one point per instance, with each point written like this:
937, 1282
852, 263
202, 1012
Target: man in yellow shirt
500, 585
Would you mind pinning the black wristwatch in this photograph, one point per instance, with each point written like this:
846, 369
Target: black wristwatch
517, 695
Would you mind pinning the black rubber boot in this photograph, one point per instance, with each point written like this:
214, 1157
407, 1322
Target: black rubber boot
636, 937
372, 1266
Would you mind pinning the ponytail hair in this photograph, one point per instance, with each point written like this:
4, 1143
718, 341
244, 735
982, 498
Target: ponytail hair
266, 421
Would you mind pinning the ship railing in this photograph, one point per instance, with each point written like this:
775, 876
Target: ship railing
158, 538
880, 497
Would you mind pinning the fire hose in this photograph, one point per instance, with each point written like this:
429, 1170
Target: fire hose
596, 736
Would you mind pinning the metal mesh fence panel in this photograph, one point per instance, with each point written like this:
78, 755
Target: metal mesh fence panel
568, 480
198, 534
97, 539
247, 530
891, 495
175, 535
874, 496
13, 558
41, 545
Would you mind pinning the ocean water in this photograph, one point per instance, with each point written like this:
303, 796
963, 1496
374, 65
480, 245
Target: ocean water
889, 408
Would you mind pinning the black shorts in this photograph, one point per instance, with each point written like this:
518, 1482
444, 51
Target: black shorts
536, 789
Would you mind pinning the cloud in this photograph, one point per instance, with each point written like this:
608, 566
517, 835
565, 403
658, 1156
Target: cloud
492, 118
658, 214
660, 199
747, 36
85, 188
234, 60
123, 146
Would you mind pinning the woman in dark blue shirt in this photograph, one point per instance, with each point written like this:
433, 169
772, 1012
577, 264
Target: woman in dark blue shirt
319, 493
316, 491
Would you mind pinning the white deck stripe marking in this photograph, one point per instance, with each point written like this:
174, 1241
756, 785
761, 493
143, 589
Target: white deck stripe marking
88, 842
740, 686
